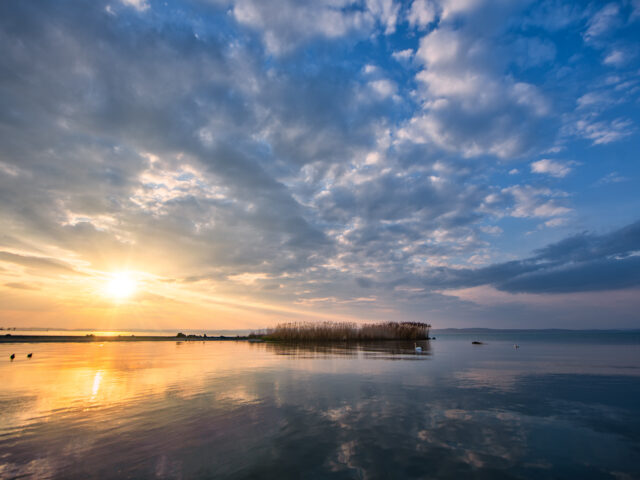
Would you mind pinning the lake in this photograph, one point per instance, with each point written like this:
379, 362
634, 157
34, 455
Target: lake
557, 407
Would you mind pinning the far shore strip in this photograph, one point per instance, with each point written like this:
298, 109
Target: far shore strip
109, 338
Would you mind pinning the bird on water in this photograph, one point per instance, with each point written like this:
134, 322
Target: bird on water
417, 348
13, 355
29, 355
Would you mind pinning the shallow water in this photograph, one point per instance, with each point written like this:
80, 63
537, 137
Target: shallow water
549, 409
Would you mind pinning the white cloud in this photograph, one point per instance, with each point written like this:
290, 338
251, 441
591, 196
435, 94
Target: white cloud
536, 202
452, 8
491, 229
403, 55
139, 5
469, 105
7, 169
441, 46
284, 24
422, 13
383, 88
386, 11
613, 177
370, 69
603, 21
617, 58
555, 222
528, 95
636, 10
592, 99
534, 51
604, 132
551, 167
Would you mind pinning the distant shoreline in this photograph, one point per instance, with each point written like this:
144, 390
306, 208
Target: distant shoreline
110, 338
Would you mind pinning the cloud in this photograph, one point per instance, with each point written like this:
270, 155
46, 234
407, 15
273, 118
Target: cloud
536, 202
140, 5
386, 11
581, 263
553, 15
286, 24
605, 274
555, 222
421, 13
21, 286
603, 21
616, 58
594, 99
550, 167
199, 197
603, 132
492, 230
613, 177
383, 88
470, 105
39, 263
534, 51
403, 55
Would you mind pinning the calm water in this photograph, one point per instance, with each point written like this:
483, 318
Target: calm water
550, 409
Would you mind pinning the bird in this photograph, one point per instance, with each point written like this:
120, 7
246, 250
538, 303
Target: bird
13, 355
417, 348
515, 345
29, 355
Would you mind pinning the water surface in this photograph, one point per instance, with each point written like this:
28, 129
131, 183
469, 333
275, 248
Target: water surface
550, 409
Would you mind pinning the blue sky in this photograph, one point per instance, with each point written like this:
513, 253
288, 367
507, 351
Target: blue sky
463, 162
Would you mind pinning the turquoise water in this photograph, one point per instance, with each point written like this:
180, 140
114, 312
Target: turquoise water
550, 409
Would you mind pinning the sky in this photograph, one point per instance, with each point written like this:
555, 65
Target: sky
235, 164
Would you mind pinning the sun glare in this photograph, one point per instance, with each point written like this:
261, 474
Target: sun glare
121, 285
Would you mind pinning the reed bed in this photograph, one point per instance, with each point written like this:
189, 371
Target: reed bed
345, 331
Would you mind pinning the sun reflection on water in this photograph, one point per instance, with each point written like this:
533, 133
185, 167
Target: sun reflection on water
96, 384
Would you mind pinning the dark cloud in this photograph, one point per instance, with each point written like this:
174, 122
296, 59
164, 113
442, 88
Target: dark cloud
581, 263
21, 286
595, 275
39, 263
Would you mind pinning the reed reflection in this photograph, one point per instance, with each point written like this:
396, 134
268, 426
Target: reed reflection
384, 350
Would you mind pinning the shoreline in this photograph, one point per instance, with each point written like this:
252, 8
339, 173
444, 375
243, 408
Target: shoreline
110, 338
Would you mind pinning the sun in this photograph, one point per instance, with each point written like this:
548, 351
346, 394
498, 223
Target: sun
121, 285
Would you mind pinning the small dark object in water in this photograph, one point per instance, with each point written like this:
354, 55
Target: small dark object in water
12, 356
476, 343
29, 355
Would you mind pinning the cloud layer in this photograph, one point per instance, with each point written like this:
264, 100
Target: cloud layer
332, 158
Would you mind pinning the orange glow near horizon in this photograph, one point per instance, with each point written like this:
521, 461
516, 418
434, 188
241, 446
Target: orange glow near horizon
137, 293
